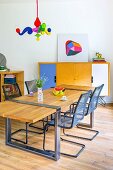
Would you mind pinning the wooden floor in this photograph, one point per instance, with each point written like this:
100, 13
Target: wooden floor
98, 154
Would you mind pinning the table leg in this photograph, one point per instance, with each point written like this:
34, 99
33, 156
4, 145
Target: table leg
8, 130
57, 135
54, 156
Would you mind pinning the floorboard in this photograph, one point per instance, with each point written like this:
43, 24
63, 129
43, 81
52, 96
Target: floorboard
98, 154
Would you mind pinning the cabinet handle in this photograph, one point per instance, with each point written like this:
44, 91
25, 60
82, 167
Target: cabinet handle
92, 79
54, 79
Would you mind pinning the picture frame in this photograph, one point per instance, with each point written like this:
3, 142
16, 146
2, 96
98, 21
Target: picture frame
73, 48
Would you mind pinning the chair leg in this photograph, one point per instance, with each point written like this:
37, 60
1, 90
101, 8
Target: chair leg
96, 132
102, 101
26, 138
75, 143
45, 129
80, 137
33, 126
90, 124
26, 132
65, 154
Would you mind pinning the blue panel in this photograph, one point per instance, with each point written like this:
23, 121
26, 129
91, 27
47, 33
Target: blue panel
49, 70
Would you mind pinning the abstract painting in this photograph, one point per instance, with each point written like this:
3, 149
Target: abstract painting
72, 47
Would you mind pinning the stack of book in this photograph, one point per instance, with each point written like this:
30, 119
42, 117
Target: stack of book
99, 60
10, 79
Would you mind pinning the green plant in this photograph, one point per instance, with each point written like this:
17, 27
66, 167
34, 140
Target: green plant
40, 82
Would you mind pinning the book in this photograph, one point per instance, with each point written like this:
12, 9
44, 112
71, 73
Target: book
99, 60
10, 76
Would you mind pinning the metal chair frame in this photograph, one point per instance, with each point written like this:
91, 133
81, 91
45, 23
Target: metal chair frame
68, 122
91, 106
31, 86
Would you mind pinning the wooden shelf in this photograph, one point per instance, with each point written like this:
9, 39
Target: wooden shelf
19, 79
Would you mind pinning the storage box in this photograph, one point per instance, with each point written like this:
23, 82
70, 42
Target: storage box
10, 80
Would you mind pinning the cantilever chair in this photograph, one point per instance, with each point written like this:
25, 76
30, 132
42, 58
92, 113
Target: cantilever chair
12, 91
90, 108
31, 86
68, 122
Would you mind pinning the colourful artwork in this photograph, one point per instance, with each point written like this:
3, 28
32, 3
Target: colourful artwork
72, 48
39, 29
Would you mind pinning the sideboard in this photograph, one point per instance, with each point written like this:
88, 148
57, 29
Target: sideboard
76, 73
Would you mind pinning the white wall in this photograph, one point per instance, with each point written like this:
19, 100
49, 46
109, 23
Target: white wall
94, 17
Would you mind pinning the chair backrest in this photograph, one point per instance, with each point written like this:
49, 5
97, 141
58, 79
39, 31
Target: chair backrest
11, 91
31, 86
93, 102
78, 109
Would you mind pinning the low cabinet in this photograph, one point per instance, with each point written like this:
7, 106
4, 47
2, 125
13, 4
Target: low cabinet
19, 79
77, 73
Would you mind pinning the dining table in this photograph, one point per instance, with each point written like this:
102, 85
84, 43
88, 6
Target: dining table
28, 110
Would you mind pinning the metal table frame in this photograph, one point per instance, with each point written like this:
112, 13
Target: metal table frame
54, 155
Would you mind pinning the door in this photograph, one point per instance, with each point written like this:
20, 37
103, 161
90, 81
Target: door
65, 73
82, 74
101, 76
49, 71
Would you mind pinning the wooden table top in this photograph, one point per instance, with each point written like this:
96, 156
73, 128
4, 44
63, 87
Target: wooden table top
30, 113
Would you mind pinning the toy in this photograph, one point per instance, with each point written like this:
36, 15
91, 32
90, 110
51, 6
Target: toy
58, 91
99, 58
98, 55
40, 29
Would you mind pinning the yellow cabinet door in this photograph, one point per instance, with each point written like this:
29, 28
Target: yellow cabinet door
74, 74
82, 74
64, 73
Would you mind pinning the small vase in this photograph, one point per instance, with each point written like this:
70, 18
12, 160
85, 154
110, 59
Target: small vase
40, 95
